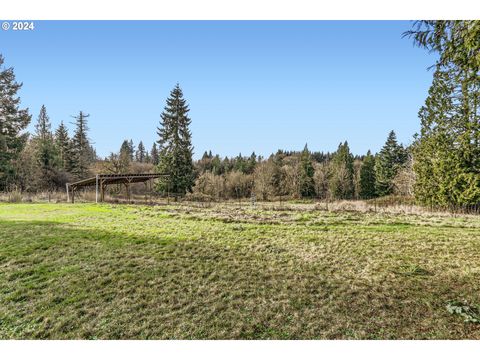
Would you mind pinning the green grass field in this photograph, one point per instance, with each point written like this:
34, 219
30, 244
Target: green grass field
175, 272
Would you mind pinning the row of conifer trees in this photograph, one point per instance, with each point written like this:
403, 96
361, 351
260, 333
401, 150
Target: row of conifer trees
46, 159
441, 167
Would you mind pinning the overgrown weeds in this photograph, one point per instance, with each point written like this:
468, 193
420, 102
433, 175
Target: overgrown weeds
470, 314
14, 197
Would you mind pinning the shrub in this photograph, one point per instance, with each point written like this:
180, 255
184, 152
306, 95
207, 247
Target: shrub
238, 184
210, 184
199, 197
15, 196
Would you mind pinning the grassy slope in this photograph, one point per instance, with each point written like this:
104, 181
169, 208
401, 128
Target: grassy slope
87, 271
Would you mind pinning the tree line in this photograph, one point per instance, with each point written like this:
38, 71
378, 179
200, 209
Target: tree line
306, 174
46, 159
440, 167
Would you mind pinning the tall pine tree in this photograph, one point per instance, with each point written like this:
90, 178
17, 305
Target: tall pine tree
124, 156
240, 163
367, 177
63, 144
46, 152
251, 163
154, 154
140, 154
341, 181
388, 162
434, 148
446, 153
175, 145
13, 122
278, 178
306, 172
81, 149
126, 150
131, 149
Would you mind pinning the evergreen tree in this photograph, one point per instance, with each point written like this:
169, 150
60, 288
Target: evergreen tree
92, 154
148, 159
63, 144
204, 164
306, 172
43, 127
131, 149
251, 163
218, 166
176, 145
456, 42
240, 164
278, 178
13, 121
125, 154
388, 162
140, 154
446, 153
367, 177
221, 166
154, 154
81, 149
434, 150
46, 154
341, 184
125, 148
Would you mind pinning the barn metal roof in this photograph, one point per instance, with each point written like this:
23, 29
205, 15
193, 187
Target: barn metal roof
108, 179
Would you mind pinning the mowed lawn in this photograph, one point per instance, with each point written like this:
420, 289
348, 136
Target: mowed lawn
89, 271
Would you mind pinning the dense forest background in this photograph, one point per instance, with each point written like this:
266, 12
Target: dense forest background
441, 166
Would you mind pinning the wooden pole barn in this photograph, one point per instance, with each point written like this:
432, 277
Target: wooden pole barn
101, 181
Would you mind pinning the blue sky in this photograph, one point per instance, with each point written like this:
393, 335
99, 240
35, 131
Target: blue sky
251, 86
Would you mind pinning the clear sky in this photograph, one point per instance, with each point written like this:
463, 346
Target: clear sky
251, 86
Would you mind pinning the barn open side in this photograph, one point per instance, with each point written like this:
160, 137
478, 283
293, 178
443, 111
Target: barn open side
101, 181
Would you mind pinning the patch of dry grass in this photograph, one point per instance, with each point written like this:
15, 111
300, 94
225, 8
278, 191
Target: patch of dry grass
234, 271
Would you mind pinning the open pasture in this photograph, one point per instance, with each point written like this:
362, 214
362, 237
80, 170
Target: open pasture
227, 272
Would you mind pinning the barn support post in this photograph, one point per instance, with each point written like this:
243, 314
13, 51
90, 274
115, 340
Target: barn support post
129, 180
73, 194
127, 189
68, 195
96, 189
168, 193
102, 190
